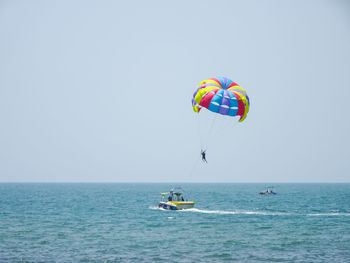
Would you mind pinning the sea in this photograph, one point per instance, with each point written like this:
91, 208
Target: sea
121, 222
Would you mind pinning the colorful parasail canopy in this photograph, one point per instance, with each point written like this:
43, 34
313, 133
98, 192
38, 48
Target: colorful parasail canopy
221, 95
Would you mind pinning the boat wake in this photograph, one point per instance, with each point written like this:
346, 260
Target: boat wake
159, 208
236, 212
329, 214
223, 212
244, 212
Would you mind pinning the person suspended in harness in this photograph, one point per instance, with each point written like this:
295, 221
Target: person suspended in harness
203, 156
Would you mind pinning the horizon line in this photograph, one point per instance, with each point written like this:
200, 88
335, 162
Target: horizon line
159, 182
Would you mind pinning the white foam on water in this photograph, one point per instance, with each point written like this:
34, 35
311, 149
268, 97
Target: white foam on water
329, 214
220, 212
158, 208
243, 212
237, 212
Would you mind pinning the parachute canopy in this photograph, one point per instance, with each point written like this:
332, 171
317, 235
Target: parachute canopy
221, 95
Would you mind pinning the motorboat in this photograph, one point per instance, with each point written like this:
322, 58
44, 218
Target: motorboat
174, 200
269, 191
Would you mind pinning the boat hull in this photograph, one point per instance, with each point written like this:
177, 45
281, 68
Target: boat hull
264, 193
176, 205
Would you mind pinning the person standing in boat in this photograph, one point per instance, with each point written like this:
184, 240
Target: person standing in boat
170, 198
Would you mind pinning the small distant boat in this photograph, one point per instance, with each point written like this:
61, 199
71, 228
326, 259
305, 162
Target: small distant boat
269, 191
174, 200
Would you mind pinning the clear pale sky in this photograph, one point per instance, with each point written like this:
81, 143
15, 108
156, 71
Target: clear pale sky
100, 91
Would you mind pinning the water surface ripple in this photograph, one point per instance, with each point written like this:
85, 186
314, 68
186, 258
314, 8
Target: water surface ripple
121, 223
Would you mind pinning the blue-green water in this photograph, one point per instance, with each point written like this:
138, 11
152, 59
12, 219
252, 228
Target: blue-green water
121, 223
